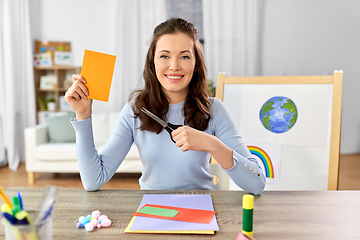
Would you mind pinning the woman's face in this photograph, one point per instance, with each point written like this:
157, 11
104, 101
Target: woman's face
174, 61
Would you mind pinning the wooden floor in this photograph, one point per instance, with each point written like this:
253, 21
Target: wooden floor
349, 178
9, 178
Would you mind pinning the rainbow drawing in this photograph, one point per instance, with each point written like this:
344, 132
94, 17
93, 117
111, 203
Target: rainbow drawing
269, 169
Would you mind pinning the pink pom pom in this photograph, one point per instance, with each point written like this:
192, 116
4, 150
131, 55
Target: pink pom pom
103, 217
241, 236
94, 222
106, 222
99, 225
96, 214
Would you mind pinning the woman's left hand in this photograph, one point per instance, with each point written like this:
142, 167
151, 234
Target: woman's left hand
188, 138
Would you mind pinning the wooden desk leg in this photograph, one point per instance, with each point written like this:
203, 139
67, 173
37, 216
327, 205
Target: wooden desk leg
31, 178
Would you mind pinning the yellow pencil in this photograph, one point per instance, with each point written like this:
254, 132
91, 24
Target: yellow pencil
6, 200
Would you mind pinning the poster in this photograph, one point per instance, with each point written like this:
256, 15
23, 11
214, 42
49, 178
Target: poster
313, 106
268, 155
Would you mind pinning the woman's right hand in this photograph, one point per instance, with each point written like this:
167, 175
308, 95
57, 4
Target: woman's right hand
76, 96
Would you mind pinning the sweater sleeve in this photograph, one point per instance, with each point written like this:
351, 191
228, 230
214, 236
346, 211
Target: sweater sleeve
97, 169
246, 172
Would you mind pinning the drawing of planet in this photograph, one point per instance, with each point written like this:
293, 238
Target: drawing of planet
278, 114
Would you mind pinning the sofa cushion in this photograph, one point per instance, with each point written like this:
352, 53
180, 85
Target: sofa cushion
67, 152
56, 151
100, 124
133, 153
60, 128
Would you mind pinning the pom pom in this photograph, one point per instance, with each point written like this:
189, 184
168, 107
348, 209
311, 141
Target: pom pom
86, 220
99, 221
106, 222
102, 217
89, 227
78, 225
99, 225
94, 222
241, 236
96, 214
81, 218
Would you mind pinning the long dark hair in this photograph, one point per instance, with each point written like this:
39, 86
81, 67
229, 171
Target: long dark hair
196, 108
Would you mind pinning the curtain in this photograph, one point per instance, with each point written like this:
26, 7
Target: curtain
135, 24
232, 37
17, 105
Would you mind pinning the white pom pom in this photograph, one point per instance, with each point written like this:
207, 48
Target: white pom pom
89, 227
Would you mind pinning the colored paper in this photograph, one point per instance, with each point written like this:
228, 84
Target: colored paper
98, 69
185, 214
146, 224
128, 230
157, 211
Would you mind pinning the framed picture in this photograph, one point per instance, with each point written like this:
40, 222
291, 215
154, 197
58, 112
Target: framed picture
63, 58
48, 82
43, 60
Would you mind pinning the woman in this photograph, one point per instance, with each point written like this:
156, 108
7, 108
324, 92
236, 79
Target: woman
176, 91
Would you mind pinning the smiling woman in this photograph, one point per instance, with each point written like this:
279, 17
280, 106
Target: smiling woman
175, 92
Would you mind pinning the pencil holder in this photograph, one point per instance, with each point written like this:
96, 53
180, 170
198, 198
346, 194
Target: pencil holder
35, 231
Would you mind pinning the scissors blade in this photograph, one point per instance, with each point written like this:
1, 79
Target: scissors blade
153, 116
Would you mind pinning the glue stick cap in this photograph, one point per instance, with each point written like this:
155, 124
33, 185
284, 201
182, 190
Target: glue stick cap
248, 201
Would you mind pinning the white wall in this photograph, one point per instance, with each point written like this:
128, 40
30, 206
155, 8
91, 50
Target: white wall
87, 24
313, 38
299, 38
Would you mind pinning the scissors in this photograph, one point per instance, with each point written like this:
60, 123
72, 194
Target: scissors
169, 127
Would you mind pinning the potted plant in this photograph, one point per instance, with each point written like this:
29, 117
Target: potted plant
211, 87
51, 104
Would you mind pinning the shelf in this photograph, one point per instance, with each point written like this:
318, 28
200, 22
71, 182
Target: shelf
56, 67
46, 90
61, 73
52, 90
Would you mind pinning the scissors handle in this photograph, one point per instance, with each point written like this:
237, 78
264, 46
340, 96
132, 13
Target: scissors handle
171, 127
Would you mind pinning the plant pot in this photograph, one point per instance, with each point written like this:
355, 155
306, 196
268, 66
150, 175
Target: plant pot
51, 106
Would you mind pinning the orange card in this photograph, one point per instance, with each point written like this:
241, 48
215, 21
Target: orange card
98, 69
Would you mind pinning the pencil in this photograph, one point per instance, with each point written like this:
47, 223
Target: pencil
6, 200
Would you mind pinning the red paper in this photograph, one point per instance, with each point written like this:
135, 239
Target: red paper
184, 215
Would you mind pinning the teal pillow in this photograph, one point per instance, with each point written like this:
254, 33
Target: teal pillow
60, 128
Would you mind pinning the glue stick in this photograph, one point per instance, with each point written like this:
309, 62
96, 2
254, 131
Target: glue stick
248, 206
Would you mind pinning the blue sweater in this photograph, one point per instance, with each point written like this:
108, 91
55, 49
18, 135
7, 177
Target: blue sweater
165, 166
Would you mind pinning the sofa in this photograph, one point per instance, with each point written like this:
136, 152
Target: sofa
45, 153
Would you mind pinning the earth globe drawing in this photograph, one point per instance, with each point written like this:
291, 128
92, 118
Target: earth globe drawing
278, 114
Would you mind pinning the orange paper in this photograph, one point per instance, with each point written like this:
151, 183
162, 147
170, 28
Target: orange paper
98, 69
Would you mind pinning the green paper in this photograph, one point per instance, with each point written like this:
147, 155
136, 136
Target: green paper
159, 211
